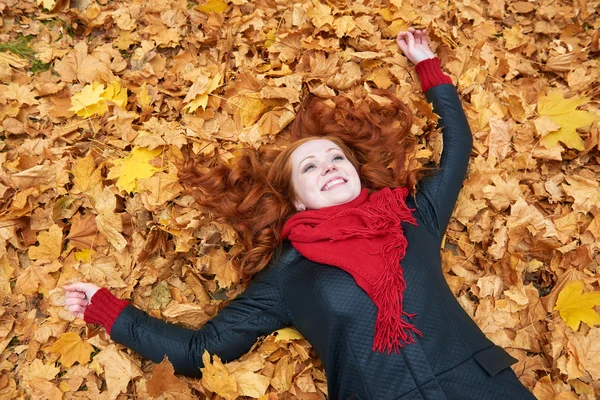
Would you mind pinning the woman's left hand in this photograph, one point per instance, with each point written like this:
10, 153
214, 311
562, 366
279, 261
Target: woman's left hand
414, 45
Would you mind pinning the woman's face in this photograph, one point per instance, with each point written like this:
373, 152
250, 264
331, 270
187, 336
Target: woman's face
322, 175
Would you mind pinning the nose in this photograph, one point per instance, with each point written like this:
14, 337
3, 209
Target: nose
329, 167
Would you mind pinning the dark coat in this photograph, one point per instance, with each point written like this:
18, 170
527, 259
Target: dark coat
453, 359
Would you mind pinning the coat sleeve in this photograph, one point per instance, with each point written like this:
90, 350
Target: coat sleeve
258, 311
437, 193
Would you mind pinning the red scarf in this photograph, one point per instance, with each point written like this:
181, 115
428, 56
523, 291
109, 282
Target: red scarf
365, 239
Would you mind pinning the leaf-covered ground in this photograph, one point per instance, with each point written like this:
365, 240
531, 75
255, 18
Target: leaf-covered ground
100, 101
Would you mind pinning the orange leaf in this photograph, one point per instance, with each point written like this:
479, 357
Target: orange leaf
72, 348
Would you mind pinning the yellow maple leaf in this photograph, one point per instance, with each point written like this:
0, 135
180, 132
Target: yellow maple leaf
84, 255
93, 98
575, 306
89, 101
115, 93
136, 165
216, 6
564, 112
72, 348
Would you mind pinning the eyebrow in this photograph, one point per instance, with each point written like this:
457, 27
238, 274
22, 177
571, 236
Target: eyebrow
306, 158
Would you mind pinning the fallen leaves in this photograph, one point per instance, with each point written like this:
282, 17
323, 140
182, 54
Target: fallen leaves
134, 167
72, 349
93, 99
576, 307
564, 113
101, 103
119, 369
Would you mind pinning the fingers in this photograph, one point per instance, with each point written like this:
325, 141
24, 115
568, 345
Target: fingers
75, 295
77, 310
89, 289
73, 301
406, 41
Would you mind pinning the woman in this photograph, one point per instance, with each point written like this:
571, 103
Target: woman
383, 329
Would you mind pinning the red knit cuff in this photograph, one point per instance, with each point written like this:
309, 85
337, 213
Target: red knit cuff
104, 308
431, 74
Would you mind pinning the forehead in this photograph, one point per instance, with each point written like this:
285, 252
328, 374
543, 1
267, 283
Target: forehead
312, 148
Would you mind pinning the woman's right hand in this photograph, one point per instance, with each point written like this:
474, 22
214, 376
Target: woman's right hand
79, 296
415, 45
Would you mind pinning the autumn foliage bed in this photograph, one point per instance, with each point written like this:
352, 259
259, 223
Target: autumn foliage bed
100, 101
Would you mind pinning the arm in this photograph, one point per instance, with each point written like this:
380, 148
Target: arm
258, 311
438, 193
441, 189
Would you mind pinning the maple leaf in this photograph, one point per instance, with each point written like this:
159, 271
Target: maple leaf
564, 112
86, 177
78, 65
84, 232
37, 369
134, 166
164, 381
116, 93
50, 245
84, 255
119, 369
109, 223
93, 98
72, 348
576, 307
89, 101
217, 379
198, 94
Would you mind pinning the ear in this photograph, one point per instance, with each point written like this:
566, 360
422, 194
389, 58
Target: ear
299, 205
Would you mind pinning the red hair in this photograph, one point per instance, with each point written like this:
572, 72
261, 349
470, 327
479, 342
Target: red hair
255, 194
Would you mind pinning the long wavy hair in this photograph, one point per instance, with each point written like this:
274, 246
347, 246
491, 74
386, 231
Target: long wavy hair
254, 193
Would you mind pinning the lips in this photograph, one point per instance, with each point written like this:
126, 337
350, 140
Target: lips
333, 182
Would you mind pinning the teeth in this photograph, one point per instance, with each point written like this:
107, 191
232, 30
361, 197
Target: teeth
335, 182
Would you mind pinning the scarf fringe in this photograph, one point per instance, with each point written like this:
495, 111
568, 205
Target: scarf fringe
391, 331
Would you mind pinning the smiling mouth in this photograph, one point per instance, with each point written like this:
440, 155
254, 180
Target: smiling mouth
335, 182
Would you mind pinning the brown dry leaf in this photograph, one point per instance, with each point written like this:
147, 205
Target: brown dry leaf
217, 379
284, 372
79, 65
84, 233
37, 369
165, 382
86, 177
119, 369
109, 223
222, 267
71, 349
50, 245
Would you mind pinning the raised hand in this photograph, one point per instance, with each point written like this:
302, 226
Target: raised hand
414, 45
79, 295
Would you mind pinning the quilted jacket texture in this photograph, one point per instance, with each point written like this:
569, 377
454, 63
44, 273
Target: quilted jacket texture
453, 359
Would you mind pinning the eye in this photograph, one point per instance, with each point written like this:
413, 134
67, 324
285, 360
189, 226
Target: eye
308, 168
338, 158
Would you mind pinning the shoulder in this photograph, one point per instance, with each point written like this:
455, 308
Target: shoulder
285, 255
